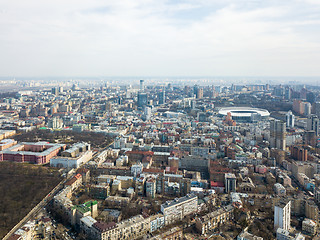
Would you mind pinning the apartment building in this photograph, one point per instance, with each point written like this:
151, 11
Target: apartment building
132, 228
212, 220
178, 208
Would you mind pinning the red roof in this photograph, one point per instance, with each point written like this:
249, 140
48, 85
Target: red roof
14, 237
216, 184
102, 226
152, 170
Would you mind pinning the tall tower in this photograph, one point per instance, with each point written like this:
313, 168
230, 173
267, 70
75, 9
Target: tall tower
199, 93
142, 99
317, 108
162, 96
290, 119
142, 85
282, 215
278, 134
313, 124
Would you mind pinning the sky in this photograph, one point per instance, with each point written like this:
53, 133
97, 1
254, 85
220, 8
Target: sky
159, 38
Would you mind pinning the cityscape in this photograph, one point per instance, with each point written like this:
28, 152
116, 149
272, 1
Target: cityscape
160, 120
161, 161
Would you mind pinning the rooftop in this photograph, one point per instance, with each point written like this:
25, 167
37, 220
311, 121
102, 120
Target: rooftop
179, 200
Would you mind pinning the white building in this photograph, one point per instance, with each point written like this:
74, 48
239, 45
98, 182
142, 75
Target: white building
279, 189
136, 169
290, 119
282, 215
178, 208
286, 235
70, 162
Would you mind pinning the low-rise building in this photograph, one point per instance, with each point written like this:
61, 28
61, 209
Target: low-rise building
74, 182
279, 189
248, 236
283, 234
175, 233
6, 143
178, 208
214, 219
309, 226
71, 162
37, 153
86, 224
132, 228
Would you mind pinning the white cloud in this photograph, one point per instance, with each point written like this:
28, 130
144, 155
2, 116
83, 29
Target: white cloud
149, 37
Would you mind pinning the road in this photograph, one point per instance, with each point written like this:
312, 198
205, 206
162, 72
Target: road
44, 202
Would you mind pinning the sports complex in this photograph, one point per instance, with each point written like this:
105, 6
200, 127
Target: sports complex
245, 114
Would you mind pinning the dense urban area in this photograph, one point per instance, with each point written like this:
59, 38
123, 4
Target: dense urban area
160, 161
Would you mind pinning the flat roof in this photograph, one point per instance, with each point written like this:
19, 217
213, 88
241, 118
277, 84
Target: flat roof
243, 111
178, 200
53, 146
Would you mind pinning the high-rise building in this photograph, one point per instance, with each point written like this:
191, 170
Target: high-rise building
307, 108
310, 138
195, 89
279, 91
55, 90
230, 182
289, 120
310, 97
151, 187
162, 97
317, 109
199, 93
147, 113
303, 93
142, 99
287, 93
298, 106
313, 124
142, 85
282, 215
278, 134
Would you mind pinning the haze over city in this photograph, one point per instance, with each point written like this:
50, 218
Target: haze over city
160, 120
160, 38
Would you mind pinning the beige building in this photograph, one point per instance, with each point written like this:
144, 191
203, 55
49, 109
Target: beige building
175, 233
212, 220
248, 236
311, 210
132, 228
179, 208
6, 143
309, 226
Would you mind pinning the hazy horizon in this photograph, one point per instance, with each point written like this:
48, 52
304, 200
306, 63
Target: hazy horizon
160, 38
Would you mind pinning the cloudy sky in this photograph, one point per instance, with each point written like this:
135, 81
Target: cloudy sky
160, 38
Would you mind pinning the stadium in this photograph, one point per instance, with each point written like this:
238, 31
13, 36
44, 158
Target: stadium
245, 114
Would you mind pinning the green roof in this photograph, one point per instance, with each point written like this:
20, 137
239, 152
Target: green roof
85, 207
